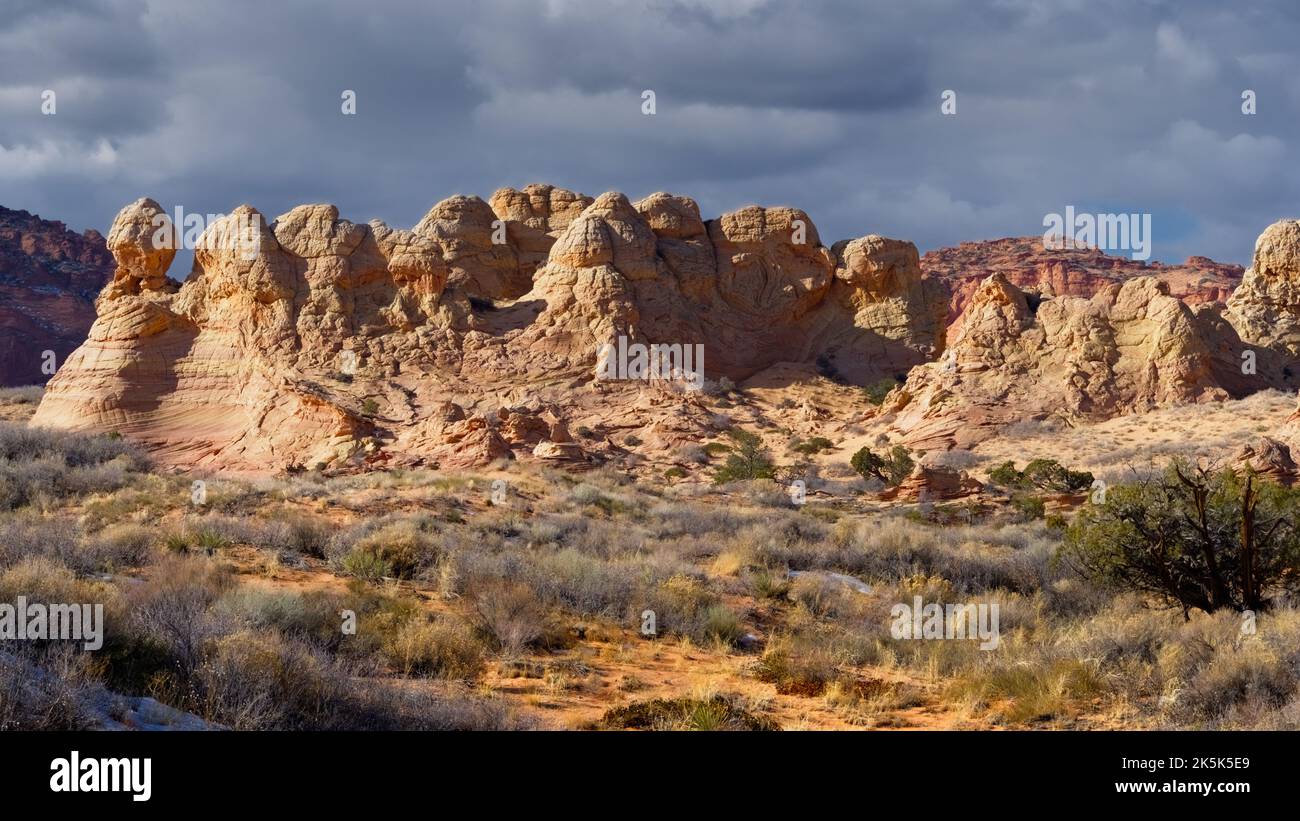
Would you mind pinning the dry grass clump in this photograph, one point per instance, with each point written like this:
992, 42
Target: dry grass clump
716, 713
42, 468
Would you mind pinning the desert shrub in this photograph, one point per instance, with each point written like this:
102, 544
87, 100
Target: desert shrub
763, 493
297, 534
171, 608
587, 494
767, 584
23, 395
43, 578
684, 605
821, 596
877, 391
386, 707
36, 463
313, 616
712, 449
709, 714
720, 623
799, 669
116, 547
403, 548
1028, 507
1043, 474
1198, 538
890, 469
26, 536
365, 565
511, 615
444, 647
262, 681
48, 690
1028, 691
19, 443
748, 459
813, 446
267, 682
694, 454
589, 585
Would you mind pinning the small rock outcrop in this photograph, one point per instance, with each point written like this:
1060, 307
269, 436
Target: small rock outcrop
1270, 459
933, 484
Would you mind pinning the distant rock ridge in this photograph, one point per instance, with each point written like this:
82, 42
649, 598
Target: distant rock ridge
49, 277
1026, 263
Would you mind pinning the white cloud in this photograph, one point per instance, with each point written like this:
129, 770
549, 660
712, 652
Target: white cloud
1193, 60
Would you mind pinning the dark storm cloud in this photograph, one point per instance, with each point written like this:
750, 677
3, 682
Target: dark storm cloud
793, 55
831, 106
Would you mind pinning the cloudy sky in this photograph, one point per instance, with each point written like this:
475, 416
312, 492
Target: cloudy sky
831, 106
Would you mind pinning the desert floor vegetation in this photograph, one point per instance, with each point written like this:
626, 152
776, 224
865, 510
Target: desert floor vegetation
424, 599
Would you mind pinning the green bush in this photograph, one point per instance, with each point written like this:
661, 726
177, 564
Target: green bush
366, 565
404, 547
877, 391
1043, 474
891, 470
748, 459
813, 446
1029, 507
1202, 539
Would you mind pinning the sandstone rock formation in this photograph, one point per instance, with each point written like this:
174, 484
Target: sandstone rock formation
1129, 348
49, 277
1266, 308
1270, 459
933, 484
473, 336
1027, 264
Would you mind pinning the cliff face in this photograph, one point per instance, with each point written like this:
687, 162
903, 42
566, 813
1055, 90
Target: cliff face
49, 277
341, 344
